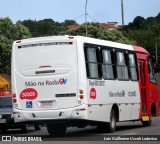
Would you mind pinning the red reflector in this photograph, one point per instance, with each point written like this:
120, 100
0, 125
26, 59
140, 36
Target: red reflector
83, 109
81, 96
71, 37
18, 41
14, 100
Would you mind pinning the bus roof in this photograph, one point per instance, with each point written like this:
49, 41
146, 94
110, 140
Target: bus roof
140, 49
85, 40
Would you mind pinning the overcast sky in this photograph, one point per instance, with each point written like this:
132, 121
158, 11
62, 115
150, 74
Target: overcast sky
60, 10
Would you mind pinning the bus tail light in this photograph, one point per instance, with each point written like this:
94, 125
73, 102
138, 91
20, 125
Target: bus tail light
14, 100
81, 96
14, 96
81, 92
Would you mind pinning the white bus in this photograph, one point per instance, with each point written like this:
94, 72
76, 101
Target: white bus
77, 81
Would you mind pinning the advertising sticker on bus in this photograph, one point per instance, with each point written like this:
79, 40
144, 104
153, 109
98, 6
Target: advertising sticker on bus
29, 94
93, 93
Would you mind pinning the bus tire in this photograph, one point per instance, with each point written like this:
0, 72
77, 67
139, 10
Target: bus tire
54, 129
37, 127
24, 128
3, 130
111, 126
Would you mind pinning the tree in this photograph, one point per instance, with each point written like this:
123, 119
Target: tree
138, 22
158, 17
145, 32
31, 25
6, 28
8, 33
96, 31
5, 54
69, 22
45, 27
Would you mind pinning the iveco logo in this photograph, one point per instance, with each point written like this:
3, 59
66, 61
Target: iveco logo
0, 116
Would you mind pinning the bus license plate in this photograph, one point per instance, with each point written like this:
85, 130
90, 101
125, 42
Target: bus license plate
47, 104
2, 120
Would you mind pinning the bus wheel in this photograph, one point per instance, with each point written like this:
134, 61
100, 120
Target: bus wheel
108, 127
3, 130
37, 127
147, 123
25, 128
56, 129
112, 124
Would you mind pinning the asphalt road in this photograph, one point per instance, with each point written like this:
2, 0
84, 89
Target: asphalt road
91, 134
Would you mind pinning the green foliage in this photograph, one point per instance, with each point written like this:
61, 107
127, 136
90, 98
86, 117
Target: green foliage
96, 31
146, 32
46, 27
69, 22
142, 32
5, 54
8, 33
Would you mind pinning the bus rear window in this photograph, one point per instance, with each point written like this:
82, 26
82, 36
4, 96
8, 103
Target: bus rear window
53, 53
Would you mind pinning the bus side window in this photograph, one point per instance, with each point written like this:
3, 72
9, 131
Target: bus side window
93, 66
122, 68
132, 67
151, 72
107, 65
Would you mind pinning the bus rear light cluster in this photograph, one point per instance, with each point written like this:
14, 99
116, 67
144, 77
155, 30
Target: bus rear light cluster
81, 92
14, 100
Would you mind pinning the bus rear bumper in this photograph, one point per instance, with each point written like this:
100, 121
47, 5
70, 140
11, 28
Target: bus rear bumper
79, 112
